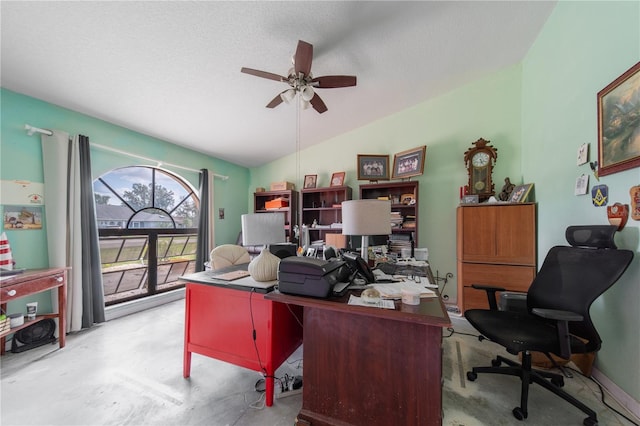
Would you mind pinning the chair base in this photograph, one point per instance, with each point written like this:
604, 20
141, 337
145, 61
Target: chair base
550, 381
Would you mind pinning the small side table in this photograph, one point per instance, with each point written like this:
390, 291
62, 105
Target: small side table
32, 282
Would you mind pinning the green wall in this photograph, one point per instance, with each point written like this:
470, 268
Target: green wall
583, 47
21, 158
537, 114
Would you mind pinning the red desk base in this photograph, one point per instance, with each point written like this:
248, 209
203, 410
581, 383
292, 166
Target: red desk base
220, 323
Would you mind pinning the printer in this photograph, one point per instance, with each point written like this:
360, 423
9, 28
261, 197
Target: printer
308, 276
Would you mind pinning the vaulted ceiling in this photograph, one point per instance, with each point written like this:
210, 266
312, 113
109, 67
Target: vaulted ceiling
171, 69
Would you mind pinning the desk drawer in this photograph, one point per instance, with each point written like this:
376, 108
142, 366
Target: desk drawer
22, 289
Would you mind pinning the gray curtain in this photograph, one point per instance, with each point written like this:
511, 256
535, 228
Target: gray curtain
205, 223
92, 289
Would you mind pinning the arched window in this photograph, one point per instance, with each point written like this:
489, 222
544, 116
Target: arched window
144, 197
147, 219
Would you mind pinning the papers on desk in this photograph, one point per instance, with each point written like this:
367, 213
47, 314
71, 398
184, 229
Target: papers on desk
394, 290
386, 278
383, 303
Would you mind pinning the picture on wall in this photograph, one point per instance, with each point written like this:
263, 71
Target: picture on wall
373, 167
22, 217
409, 163
619, 123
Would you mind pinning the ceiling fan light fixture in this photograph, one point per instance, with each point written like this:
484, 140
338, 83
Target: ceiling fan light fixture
288, 95
304, 103
307, 93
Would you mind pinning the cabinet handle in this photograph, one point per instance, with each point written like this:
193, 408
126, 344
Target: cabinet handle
59, 279
12, 293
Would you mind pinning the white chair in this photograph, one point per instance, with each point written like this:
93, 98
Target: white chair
228, 255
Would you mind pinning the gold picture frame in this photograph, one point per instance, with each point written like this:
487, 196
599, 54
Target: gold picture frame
520, 193
618, 125
409, 163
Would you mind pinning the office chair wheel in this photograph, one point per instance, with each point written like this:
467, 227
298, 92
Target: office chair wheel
471, 376
519, 414
557, 381
496, 362
589, 421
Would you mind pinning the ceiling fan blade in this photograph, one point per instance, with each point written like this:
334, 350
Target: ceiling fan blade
263, 74
318, 104
276, 101
303, 58
332, 81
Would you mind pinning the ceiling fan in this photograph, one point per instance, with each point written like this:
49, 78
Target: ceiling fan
302, 81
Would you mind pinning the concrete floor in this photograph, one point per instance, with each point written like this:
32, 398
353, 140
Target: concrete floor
128, 371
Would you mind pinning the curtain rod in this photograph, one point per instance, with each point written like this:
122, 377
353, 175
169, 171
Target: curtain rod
31, 130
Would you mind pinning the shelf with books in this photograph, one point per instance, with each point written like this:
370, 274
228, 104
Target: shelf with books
404, 206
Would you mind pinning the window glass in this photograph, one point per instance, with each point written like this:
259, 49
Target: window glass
144, 197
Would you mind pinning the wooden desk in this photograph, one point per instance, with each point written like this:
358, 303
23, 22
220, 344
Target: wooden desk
370, 366
222, 318
31, 282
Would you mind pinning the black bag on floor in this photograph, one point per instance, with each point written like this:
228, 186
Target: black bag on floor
35, 335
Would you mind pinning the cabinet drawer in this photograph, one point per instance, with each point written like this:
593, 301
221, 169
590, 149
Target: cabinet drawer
511, 278
22, 289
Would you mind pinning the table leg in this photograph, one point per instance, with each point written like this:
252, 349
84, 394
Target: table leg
62, 315
269, 388
186, 364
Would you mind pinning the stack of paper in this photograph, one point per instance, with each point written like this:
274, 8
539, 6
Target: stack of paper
394, 290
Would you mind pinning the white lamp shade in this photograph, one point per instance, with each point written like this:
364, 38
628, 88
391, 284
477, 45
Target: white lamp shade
288, 95
366, 217
307, 93
262, 229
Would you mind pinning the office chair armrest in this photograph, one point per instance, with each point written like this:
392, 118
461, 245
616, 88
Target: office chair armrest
491, 294
557, 315
562, 319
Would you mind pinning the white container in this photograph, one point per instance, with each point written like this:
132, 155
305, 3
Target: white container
410, 296
418, 253
15, 320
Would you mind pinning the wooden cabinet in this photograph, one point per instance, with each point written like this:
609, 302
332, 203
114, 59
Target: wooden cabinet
269, 202
324, 206
400, 194
496, 245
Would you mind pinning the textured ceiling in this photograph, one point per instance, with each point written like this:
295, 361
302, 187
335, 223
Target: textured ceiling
171, 69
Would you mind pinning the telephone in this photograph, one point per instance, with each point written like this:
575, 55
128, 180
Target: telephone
358, 266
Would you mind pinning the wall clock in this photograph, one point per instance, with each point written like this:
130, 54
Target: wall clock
479, 161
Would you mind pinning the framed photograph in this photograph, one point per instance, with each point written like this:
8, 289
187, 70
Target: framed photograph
22, 218
373, 167
409, 163
310, 181
520, 193
618, 124
470, 199
337, 179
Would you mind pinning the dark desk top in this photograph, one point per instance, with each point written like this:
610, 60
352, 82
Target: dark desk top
245, 283
431, 310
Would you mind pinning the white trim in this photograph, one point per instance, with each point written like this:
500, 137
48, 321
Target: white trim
621, 397
138, 305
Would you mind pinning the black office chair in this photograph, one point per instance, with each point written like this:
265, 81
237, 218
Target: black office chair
557, 319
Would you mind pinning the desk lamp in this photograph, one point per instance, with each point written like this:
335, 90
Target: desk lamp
366, 217
263, 229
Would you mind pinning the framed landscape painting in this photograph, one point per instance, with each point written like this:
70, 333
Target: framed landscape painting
619, 123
